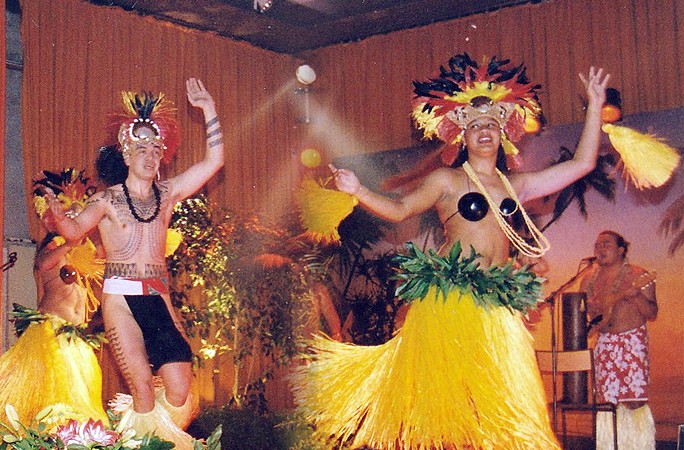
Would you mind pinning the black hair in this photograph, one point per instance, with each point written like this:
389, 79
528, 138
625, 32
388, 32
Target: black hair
462, 157
619, 240
46, 240
110, 166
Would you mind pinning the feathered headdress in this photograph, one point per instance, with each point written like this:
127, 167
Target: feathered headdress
70, 186
147, 117
464, 91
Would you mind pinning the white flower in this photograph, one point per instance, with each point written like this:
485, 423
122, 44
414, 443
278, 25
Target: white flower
88, 434
121, 403
10, 438
128, 439
12, 416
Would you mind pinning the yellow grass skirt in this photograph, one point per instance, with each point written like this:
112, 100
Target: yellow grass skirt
43, 369
455, 376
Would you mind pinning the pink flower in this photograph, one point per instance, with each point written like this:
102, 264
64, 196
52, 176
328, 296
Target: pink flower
69, 433
88, 433
98, 433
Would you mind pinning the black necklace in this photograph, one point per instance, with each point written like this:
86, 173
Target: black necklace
131, 208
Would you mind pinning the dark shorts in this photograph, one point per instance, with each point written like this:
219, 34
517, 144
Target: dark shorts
163, 342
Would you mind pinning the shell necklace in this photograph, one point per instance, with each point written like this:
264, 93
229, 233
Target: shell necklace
541, 244
131, 208
622, 272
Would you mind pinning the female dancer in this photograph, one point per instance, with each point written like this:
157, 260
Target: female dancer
53, 364
461, 373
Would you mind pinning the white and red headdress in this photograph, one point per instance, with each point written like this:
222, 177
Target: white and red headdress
147, 117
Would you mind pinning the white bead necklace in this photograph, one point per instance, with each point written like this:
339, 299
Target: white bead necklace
541, 246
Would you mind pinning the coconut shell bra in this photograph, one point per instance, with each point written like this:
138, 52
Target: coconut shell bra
473, 207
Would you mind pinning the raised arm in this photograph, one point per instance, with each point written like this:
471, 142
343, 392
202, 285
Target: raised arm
426, 195
50, 256
533, 185
196, 176
71, 227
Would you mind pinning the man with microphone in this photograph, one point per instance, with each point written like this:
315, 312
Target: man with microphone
620, 300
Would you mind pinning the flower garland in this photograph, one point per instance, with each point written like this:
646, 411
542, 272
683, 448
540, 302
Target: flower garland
87, 435
492, 287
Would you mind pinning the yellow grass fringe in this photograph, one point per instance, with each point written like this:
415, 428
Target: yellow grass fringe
456, 376
44, 369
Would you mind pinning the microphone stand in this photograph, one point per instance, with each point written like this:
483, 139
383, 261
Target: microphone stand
551, 300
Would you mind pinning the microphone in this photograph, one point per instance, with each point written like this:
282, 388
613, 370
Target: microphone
589, 259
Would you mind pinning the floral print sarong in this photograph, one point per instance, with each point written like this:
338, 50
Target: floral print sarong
622, 367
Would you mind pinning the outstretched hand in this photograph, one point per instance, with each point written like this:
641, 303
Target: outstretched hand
53, 202
345, 180
198, 95
595, 83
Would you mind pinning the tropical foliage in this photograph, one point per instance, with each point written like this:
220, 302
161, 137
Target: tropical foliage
254, 295
672, 223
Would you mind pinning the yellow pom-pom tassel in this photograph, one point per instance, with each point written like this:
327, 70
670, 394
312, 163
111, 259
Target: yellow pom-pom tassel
321, 210
90, 269
173, 240
648, 161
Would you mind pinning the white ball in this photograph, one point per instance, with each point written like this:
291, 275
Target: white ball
305, 74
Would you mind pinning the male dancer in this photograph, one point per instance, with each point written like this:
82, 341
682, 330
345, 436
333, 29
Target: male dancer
133, 217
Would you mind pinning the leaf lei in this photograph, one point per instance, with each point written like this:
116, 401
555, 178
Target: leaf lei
495, 286
23, 316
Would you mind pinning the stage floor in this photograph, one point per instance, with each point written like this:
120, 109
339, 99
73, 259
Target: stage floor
585, 443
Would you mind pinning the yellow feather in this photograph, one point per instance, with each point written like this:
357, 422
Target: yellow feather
481, 89
426, 121
173, 240
648, 161
40, 205
128, 102
508, 146
322, 210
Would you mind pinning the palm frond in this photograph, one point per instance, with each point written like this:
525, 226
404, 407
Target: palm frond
358, 232
671, 223
432, 225
599, 179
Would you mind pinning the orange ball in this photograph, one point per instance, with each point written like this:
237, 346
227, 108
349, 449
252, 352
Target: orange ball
610, 113
310, 157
